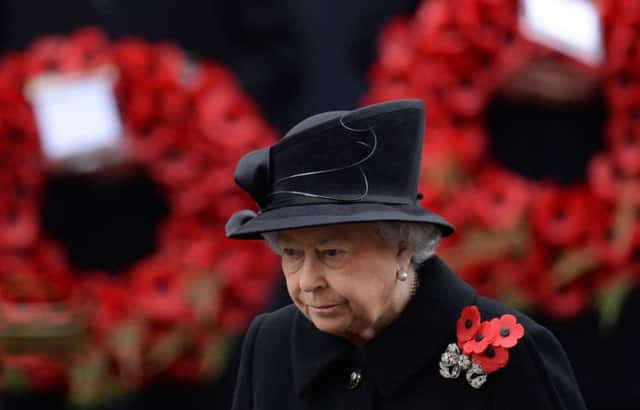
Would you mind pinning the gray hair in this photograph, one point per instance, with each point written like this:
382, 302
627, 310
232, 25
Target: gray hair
421, 238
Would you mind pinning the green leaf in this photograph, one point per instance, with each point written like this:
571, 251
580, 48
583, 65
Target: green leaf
14, 380
166, 349
609, 304
87, 379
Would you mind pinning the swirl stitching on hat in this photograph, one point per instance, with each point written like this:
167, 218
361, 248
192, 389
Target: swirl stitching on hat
365, 180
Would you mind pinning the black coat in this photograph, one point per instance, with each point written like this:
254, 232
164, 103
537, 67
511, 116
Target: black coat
288, 364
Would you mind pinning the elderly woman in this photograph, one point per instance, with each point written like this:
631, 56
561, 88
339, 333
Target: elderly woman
378, 321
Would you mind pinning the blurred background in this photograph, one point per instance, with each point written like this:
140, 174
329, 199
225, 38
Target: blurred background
121, 123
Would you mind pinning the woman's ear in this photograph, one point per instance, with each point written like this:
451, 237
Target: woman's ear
403, 257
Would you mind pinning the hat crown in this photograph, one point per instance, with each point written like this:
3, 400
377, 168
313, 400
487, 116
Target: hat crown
371, 154
338, 167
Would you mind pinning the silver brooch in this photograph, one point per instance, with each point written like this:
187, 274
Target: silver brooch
453, 363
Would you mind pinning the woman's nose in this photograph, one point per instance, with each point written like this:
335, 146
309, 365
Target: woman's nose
311, 277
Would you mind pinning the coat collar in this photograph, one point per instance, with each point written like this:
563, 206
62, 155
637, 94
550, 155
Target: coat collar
420, 334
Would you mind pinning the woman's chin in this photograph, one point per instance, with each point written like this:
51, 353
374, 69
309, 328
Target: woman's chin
328, 328
327, 324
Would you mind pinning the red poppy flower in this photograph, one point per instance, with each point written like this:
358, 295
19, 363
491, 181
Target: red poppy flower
205, 76
566, 302
625, 148
468, 324
133, 57
560, 217
40, 370
470, 144
166, 71
152, 145
178, 166
479, 274
428, 74
481, 340
108, 303
455, 208
225, 111
140, 108
159, 292
93, 47
492, 358
606, 180
433, 31
174, 103
621, 41
200, 254
44, 55
246, 272
467, 101
19, 225
216, 183
397, 54
620, 93
609, 237
507, 331
500, 199
50, 257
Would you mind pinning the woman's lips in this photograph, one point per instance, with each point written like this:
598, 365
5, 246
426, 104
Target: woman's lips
325, 308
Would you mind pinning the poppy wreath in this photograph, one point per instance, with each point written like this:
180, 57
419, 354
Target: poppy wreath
537, 245
174, 312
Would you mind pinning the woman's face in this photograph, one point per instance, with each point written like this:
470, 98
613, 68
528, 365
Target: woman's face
343, 278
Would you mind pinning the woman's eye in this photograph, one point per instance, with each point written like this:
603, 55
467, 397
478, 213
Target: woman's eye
333, 253
291, 253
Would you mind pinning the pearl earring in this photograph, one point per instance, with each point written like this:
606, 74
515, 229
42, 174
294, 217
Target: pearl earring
403, 276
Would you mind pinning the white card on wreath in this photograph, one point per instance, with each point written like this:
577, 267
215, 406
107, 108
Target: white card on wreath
77, 116
571, 27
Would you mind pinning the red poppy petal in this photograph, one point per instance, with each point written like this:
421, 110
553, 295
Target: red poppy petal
507, 331
468, 324
492, 359
483, 338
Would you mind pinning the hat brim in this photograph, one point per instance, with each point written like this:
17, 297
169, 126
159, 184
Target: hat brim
249, 225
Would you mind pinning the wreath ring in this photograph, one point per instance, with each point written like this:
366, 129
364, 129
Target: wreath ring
534, 244
172, 313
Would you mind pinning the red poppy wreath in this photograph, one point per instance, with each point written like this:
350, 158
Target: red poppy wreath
535, 244
172, 313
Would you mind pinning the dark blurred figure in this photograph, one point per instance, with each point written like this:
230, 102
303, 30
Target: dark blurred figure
339, 42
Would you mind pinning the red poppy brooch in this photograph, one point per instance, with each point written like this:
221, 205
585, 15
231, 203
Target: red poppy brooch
482, 348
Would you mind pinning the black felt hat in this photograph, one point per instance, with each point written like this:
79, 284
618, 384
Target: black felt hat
338, 167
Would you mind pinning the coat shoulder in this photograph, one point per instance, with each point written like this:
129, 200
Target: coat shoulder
266, 351
271, 333
538, 368
278, 323
490, 308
